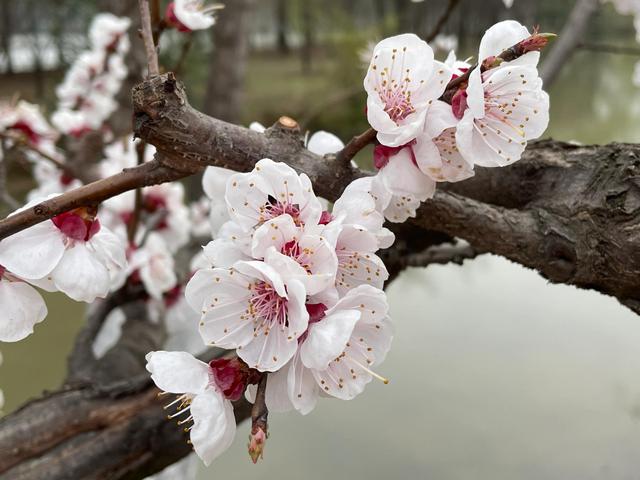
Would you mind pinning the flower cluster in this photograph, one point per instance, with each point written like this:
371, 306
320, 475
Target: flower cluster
293, 289
86, 96
429, 132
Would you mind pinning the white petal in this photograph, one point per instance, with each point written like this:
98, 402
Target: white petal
501, 36
302, 387
81, 275
322, 143
22, 307
34, 252
223, 252
402, 177
327, 339
277, 394
214, 425
177, 372
274, 233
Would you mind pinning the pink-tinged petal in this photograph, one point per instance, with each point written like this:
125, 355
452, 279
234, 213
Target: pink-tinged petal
402, 177
274, 233
177, 372
276, 395
327, 339
322, 143
110, 249
401, 207
81, 275
33, 253
301, 386
286, 267
22, 307
214, 425
441, 159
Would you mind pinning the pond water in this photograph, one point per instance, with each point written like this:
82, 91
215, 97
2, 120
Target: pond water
495, 373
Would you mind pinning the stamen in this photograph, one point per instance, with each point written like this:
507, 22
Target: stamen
370, 372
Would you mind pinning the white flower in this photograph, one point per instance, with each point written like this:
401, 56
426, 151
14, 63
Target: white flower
402, 81
436, 151
154, 263
257, 127
507, 107
26, 119
268, 191
200, 400
188, 15
502, 36
71, 253
403, 178
337, 353
51, 180
214, 184
507, 3
22, 307
106, 30
251, 308
322, 143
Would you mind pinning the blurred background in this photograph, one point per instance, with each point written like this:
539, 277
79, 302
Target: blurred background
495, 373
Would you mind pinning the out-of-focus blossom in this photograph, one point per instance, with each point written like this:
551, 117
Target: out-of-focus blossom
189, 15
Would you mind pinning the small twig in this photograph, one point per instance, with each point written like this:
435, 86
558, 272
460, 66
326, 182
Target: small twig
442, 20
356, 144
150, 173
137, 205
147, 38
259, 421
441, 254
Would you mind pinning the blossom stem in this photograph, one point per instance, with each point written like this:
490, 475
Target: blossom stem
147, 37
259, 421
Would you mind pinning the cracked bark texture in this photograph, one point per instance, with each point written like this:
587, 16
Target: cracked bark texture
570, 212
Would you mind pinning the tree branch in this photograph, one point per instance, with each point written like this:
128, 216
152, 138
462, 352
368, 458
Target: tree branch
147, 37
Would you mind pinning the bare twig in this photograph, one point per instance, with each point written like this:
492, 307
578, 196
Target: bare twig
451, 6
137, 204
441, 254
147, 37
259, 421
356, 144
150, 173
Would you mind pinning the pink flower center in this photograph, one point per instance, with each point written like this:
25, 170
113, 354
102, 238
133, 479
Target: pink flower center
397, 101
268, 305
77, 224
231, 376
26, 129
316, 313
459, 103
172, 19
382, 154
274, 208
325, 218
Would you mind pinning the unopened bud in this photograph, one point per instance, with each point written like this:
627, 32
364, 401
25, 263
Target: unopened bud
536, 42
257, 439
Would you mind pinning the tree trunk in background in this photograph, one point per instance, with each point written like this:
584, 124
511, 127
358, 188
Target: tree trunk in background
225, 85
5, 32
571, 35
282, 24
